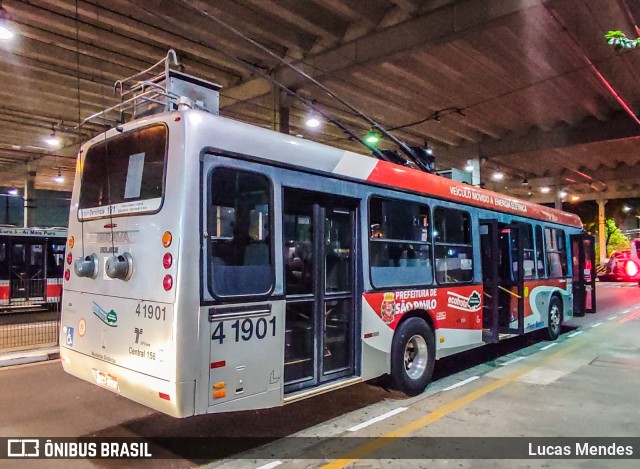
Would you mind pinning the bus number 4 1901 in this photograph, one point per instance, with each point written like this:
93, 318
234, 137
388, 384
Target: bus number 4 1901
246, 329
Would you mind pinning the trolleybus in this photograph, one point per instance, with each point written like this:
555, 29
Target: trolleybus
216, 266
31, 266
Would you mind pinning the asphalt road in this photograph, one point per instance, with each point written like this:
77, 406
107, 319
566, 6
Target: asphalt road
41, 400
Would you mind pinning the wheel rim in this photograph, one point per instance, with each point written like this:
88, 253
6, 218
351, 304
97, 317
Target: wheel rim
554, 318
415, 356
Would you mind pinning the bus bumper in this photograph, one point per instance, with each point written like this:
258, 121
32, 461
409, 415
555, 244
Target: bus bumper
175, 399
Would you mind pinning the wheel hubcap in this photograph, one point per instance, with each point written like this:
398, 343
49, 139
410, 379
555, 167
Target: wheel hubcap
415, 357
554, 318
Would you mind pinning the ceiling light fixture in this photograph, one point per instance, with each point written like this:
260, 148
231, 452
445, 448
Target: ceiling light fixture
498, 176
12, 191
575, 198
626, 209
5, 33
312, 122
563, 194
525, 182
52, 140
469, 167
545, 190
59, 177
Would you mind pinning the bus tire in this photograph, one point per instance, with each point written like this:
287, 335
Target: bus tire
413, 354
554, 322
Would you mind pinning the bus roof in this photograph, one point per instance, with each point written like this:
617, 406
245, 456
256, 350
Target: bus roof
301, 152
246, 139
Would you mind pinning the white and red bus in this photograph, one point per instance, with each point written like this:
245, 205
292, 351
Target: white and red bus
31, 266
219, 266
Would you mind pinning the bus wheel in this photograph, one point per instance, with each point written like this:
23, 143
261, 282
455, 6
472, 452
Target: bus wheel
554, 324
413, 354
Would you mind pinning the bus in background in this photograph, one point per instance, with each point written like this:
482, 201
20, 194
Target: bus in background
220, 266
31, 267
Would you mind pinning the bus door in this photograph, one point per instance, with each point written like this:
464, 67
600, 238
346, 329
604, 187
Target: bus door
27, 270
584, 274
503, 279
319, 264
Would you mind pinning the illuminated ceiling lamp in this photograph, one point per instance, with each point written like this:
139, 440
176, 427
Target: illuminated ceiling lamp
312, 122
497, 176
5, 32
12, 191
52, 140
469, 167
545, 189
563, 194
372, 138
59, 177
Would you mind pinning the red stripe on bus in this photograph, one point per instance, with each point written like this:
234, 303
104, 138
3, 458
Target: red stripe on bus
429, 184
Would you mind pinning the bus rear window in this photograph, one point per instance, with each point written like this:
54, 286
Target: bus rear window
125, 173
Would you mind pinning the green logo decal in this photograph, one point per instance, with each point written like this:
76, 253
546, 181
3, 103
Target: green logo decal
474, 300
110, 318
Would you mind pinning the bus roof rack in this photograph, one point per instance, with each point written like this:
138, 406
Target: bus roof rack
159, 88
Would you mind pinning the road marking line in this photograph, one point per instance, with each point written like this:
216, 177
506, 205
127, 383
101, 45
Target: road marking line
597, 324
546, 347
380, 418
270, 465
573, 334
612, 318
452, 406
631, 318
512, 361
461, 383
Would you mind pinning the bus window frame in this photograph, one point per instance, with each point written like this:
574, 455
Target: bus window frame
164, 175
539, 242
368, 241
566, 253
205, 264
473, 248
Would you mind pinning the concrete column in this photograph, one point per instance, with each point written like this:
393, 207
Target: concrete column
557, 201
475, 174
281, 104
602, 230
29, 219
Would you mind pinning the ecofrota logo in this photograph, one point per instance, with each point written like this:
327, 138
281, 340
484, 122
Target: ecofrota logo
471, 303
109, 318
138, 332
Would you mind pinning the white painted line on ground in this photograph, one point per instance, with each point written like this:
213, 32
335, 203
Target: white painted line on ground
271, 465
461, 383
512, 361
612, 318
573, 334
627, 311
380, 418
549, 346
597, 324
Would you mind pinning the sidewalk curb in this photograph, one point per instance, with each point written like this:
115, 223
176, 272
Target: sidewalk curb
17, 359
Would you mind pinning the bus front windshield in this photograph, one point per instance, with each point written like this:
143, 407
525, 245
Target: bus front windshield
125, 174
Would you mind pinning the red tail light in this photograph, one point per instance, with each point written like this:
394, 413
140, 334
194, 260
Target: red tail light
167, 260
69, 258
167, 282
631, 268
67, 274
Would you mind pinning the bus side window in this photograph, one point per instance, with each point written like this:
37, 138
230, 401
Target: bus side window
453, 245
399, 243
556, 252
527, 254
238, 225
542, 273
